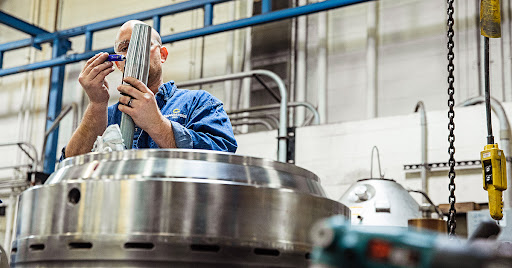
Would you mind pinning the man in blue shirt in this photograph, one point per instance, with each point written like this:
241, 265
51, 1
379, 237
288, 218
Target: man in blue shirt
165, 116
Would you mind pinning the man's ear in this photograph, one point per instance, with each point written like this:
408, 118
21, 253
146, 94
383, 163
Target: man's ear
163, 54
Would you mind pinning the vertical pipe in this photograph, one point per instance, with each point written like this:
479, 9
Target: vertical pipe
246, 82
88, 41
301, 73
371, 59
228, 85
8, 221
420, 107
322, 66
208, 15
266, 6
156, 23
54, 106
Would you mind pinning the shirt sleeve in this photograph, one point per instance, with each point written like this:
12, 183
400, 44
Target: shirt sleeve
208, 128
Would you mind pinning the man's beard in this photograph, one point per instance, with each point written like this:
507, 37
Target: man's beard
155, 74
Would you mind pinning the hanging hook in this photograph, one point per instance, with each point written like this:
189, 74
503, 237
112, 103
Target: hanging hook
378, 161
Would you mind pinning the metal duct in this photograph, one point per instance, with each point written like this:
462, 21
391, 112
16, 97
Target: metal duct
137, 66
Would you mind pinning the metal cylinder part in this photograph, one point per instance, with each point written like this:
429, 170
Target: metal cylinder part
136, 66
170, 208
381, 202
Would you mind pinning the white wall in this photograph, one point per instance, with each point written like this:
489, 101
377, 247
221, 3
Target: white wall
340, 153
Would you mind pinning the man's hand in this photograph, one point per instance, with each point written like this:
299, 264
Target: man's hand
143, 107
92, 78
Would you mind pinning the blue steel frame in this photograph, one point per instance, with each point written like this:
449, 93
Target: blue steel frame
61, 45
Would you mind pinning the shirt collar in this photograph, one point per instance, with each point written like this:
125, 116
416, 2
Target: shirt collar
166, 90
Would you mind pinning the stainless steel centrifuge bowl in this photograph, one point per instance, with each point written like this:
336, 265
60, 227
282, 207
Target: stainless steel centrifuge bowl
188, 165
170, 208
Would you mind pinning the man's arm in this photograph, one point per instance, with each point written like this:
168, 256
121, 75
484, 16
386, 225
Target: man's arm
94, 123
209, 128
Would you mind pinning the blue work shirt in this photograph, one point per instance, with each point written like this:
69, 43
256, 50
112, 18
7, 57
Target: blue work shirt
198, 120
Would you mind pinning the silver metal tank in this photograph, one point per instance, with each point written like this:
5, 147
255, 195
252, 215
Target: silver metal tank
170, 208
380, 202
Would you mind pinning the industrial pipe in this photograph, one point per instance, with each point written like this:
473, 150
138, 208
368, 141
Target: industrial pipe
31, 147
420, 107
316, 114
371, 59
267, 118
72, 107
504, 138
282, 147
247, 121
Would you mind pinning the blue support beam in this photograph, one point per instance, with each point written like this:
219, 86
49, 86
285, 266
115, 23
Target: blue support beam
54, 105
233, 25
156, 23
107, 24
88, 41
208, 15
266, 6
21, 25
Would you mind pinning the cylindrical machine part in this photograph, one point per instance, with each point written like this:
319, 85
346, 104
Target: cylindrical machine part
381, 202
162, 208
136, 66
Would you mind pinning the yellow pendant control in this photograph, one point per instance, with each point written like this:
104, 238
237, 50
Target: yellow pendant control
494, 178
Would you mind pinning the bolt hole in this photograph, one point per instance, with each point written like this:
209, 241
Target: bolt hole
74, 196
14, 250
80, 245
37, 247
139, 245
266, 251
205, 248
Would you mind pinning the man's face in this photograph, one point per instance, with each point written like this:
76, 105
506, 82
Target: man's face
155, 61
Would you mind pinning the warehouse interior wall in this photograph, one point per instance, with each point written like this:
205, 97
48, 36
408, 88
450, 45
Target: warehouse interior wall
411, 67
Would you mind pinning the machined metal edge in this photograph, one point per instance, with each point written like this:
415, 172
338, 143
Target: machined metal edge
188, 154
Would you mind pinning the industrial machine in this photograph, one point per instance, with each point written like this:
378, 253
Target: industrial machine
163, 208
337, 244
380, 201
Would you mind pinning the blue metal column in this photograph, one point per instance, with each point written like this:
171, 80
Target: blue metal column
54, 105
266, 6
156, 23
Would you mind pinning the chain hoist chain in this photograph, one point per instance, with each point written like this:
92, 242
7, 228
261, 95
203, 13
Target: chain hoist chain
451, 115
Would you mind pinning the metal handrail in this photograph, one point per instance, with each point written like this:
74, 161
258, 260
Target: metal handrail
282, 147
73, 106
273, 121
316, 115
35, 162
253, 122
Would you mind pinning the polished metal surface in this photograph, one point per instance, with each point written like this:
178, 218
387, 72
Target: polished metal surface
380, 202
178, 208
188, 165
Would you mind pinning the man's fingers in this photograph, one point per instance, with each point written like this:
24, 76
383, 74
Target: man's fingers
125, 109
103, 73
137, 84
100, 68
130, 90
97, 61
124, 100
92, 59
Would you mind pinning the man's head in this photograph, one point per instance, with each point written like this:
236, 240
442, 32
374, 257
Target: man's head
158, 53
